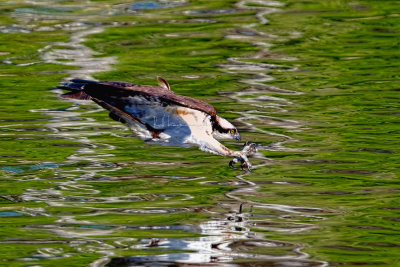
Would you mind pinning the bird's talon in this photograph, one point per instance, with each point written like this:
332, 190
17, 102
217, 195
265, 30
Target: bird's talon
234, 161
244, 166
231, 164
248, 149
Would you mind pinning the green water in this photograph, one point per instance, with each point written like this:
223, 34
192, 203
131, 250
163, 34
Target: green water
314, 83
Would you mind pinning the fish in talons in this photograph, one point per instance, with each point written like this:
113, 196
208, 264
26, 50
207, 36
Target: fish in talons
157, 115
248, 149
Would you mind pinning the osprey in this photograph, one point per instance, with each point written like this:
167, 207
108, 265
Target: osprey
157, 115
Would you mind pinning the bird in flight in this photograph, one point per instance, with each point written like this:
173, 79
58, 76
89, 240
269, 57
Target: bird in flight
157, 115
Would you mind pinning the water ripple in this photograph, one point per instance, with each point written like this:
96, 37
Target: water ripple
228, 234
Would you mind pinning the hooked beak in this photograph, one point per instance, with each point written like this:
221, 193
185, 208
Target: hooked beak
237, 137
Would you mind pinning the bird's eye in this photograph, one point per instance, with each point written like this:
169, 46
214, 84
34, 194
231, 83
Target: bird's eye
232, 131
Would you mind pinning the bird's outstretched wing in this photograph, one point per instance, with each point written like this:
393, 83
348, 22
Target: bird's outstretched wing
155, 109
115, 90
156, 114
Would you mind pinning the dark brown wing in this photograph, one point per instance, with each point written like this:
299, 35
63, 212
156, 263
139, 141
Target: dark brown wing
117, 90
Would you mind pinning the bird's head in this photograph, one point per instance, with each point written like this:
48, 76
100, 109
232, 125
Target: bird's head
223, 129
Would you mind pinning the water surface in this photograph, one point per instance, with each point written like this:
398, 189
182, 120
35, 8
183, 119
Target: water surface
314, 83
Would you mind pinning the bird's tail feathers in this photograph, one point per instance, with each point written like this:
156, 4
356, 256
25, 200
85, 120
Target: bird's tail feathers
79, 95
75, 87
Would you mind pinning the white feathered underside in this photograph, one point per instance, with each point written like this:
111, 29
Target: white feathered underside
181, 126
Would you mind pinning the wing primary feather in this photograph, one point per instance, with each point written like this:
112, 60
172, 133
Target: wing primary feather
114, 109
116, 117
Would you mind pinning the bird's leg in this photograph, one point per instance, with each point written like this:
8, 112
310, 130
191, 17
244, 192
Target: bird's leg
248, 149
215, 147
